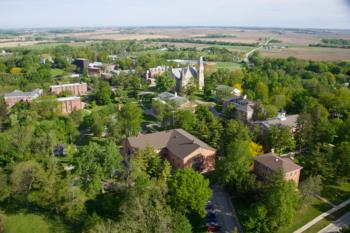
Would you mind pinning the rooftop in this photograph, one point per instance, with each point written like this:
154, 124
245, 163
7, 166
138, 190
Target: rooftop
68, 98
18, 93
281, 120
67, 85
177, 141
277, 163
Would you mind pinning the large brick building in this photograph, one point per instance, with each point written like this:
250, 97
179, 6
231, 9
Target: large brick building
70, 104
180, 148
19, 96
268, 164
73, 88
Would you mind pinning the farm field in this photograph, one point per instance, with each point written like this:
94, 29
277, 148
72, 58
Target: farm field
309, 53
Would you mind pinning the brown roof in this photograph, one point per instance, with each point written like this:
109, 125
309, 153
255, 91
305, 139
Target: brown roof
276, 163
177, 141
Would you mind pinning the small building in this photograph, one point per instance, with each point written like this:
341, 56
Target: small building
81, 63
74, 88
180, 148
156, 71
18, 96
268, 164
223, 91
174, 100
282, 120
70, 104
242, 106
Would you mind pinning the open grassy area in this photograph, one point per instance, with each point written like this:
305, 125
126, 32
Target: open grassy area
306, 214
326, 221
32, 223
336, 193
228, 65
56, 72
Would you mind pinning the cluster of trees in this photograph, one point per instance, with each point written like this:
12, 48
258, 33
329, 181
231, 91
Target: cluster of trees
196, 41
333, 43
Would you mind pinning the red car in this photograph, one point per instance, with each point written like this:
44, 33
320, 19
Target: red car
213, 228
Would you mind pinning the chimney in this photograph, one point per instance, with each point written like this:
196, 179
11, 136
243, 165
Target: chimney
175, 94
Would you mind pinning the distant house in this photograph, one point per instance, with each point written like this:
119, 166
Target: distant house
243, 107
153, 73
268, 164
82, 64
180, 148
19, 96
74, 88
70, 104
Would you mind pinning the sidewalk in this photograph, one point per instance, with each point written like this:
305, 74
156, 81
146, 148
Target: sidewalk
322, 216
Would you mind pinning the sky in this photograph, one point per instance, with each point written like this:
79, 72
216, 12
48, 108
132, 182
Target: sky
247, 13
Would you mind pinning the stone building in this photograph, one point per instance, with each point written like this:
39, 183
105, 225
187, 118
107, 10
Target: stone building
244, 108
19, 96
180, 148
184, 76
74, 88
70, 104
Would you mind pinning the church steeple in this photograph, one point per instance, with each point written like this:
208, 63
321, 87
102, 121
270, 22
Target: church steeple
201, 74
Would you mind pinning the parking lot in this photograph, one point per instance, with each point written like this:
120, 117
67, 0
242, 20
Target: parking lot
224, 211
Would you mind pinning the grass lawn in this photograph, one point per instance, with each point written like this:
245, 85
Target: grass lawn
324, 222
31, 223
336, 193
227, 65
56, 72
306, 214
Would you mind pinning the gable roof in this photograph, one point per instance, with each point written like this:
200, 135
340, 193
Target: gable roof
277, 163
177, 141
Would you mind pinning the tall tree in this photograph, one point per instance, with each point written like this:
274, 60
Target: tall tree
188, 191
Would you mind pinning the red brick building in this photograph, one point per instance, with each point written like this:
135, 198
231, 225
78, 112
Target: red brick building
18, 96
268, 164
180, 148
69, 104
74, 88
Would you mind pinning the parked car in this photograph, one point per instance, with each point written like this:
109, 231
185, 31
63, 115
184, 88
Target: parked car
213, 228
210, 217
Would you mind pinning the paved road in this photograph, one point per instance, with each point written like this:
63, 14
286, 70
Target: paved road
322, 216
337, 225
247, 55
225, 211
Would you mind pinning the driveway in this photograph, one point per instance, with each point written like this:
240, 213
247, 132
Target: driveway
225, 211
337, 225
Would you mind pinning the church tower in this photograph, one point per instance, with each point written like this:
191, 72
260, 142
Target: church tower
201, 74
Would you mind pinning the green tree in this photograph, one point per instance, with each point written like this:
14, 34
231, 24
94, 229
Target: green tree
130, 118
188, 191
281, 139
310, 188
341, 159
262, 92
165, 82
103, 93
235, 165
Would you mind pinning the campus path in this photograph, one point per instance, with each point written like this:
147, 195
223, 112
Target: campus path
322, 216
225, 211
337, 225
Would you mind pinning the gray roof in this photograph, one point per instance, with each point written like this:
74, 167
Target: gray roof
277, 163
177, 141
288, 121
18, 93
